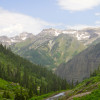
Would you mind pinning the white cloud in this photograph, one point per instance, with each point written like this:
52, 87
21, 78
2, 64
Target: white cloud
78, 5
97, 22
79, 27
14, 23
97, 14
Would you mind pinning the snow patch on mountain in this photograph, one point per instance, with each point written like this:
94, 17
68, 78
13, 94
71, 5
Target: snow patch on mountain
11, 40
84, 35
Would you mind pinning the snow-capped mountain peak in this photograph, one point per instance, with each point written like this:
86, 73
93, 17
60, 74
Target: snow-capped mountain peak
50, 32
87, 35
11, 40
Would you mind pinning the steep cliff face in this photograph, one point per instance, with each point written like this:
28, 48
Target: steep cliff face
81, 66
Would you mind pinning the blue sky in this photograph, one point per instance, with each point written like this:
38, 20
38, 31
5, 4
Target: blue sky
33, 15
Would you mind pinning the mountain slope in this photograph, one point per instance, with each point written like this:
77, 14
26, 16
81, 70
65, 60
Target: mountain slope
81, 66
89, 89
35, 79
49, 51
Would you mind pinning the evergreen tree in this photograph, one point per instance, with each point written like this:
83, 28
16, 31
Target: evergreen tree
6, 95
25, 78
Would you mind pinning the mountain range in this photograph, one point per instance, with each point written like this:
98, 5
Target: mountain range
16, 39
51, 47
73, 55
86, 35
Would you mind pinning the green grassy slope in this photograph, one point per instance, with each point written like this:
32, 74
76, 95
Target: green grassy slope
9, 87
91, 85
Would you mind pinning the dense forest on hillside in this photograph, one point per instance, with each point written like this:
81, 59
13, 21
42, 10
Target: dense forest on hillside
35, 79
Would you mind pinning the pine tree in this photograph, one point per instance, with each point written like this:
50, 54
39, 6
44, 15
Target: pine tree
30, 93
6, 95
25, 78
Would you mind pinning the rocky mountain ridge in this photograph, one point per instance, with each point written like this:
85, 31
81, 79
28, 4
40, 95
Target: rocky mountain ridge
49, 51
12, 40
86, 35
52, 47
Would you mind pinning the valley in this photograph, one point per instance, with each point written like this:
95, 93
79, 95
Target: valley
50, 52
49, 49
71, 58
19, 78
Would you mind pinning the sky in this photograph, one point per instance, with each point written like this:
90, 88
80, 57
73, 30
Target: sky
17, 16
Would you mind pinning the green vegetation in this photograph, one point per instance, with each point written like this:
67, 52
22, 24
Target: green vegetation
5, 85
91, 84
24, 79
95, 95
8, 89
